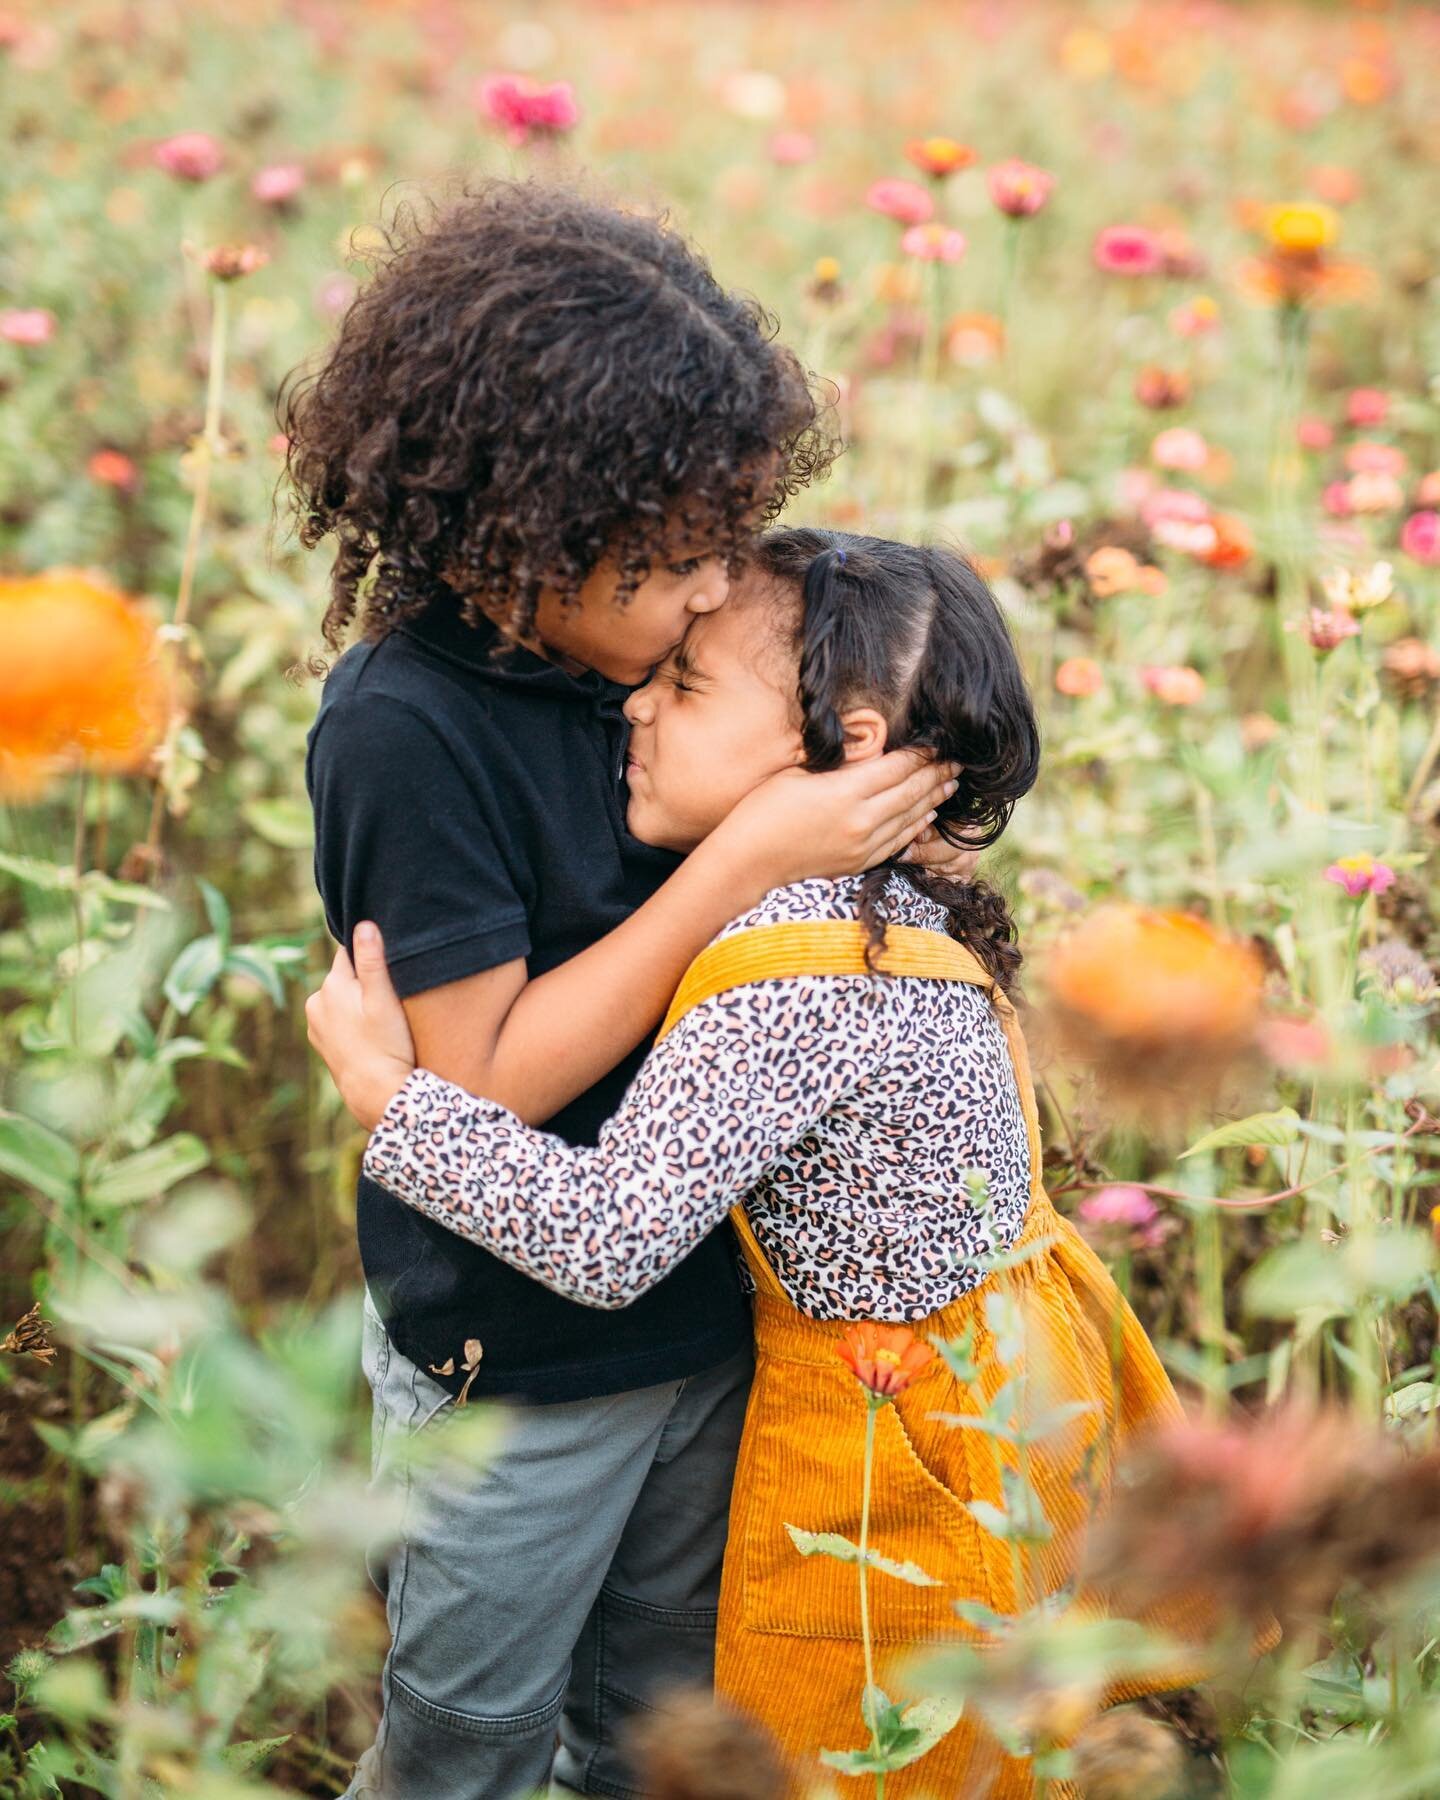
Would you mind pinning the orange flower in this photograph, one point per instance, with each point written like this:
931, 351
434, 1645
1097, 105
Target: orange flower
1079, 676
1233, 544
82, 679
883, 1358
939, 156
1111, 570
1141, 976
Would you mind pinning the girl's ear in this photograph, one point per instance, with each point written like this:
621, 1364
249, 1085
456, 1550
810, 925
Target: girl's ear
866, 734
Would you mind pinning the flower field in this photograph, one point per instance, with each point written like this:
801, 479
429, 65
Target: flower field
1140, 305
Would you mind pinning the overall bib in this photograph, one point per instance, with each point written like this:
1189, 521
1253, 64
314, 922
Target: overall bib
789, 1649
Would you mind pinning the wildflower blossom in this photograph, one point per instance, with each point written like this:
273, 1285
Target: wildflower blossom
1366, 407
523, 107
1314, 434
934, 243
29, 326
1361, 874
1195, 318
279, 185
1420, 537
1398, 973
112, 468
189, 156
939, 156
82, 679
1359, 590
883, 1358
1111, 570
1175, 683
1079, 676
1161, 389
1127, 250
1018, 188
1326, 628
791, 148
1180, 448
905, 201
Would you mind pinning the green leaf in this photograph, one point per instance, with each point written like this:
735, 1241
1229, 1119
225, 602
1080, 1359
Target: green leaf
958, 1355
217, 910
1273, 1128
193, 973
41, 1158
922, 1724
60, 878
996, 1261
149, 1172
984, 1618
248, 1755
830, 1543
1043, 1425
285, 822
247, 960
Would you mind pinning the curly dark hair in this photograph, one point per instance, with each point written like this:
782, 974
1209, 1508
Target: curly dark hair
914, 630
534, 380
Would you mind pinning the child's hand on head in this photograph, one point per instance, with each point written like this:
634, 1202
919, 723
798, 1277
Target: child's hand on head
356, 1022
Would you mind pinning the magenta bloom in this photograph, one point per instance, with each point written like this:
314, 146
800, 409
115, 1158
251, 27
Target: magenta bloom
1361, 874
30, 326
1019, 188
899, 199
1122, 1203
520, 106
934, 243
189, 156
1420, 537
279, 184
1366, 407
1128, 250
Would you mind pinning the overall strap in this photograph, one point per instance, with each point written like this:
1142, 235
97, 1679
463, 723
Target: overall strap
837, 947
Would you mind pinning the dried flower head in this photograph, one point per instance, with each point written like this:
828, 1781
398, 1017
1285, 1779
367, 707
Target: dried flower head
31, 1337
228, 262
1269, 1516
692, 1748
1398, 973
1122, 1755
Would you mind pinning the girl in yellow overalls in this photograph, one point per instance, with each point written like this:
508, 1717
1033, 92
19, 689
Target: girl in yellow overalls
845, 1068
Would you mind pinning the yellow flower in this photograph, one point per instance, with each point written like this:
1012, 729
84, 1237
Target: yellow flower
1301, 227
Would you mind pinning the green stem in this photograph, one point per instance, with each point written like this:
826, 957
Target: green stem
917, 510
1211, 1273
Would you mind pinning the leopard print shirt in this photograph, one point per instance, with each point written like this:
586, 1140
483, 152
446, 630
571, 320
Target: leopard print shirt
845, 1111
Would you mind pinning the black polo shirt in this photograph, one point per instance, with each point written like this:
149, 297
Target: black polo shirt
476, 811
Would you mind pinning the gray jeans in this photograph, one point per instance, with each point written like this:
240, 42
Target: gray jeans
539, 1602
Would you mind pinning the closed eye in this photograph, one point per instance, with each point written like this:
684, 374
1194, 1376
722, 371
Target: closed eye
681, 569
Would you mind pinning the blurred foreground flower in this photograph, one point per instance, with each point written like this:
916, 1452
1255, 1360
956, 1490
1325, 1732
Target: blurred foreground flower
189, 156
691, 1748
1158, 1003
1121, 1218
1123, 1755
1361, 874
883, 1358
83, 679
1272, 1515
523, 107
1018, 188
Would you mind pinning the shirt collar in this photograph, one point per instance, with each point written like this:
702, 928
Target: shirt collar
444, 632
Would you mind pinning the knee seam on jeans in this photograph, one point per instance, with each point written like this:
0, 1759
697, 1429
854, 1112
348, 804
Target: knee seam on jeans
475, 1724
688, 1618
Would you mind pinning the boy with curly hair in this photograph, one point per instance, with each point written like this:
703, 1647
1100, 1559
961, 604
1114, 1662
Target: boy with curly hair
542, 442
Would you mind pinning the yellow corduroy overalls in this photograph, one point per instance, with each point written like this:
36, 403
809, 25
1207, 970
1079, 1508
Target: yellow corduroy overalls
789, 1649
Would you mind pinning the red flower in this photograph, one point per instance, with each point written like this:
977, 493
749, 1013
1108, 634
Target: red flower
1128, 250
521, 106
884, 1358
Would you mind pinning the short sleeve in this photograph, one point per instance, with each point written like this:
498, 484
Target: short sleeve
403, 837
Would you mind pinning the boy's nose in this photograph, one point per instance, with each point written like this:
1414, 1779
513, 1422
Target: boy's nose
712, 589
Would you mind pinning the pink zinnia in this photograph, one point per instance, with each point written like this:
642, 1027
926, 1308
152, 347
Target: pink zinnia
1367, 407
899, 199
1019, 188
1369, 458
1128, 250
1335, 499
788, 148
1326, 628
1314, 434
934, 243
520, 106
1361, 874
1175, 684
279, 184
1180, 448
1420, 537
27, 325
189, 156
1177, 504
1122, 1203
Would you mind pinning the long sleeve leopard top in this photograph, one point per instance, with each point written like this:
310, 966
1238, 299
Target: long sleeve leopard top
844, 1110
